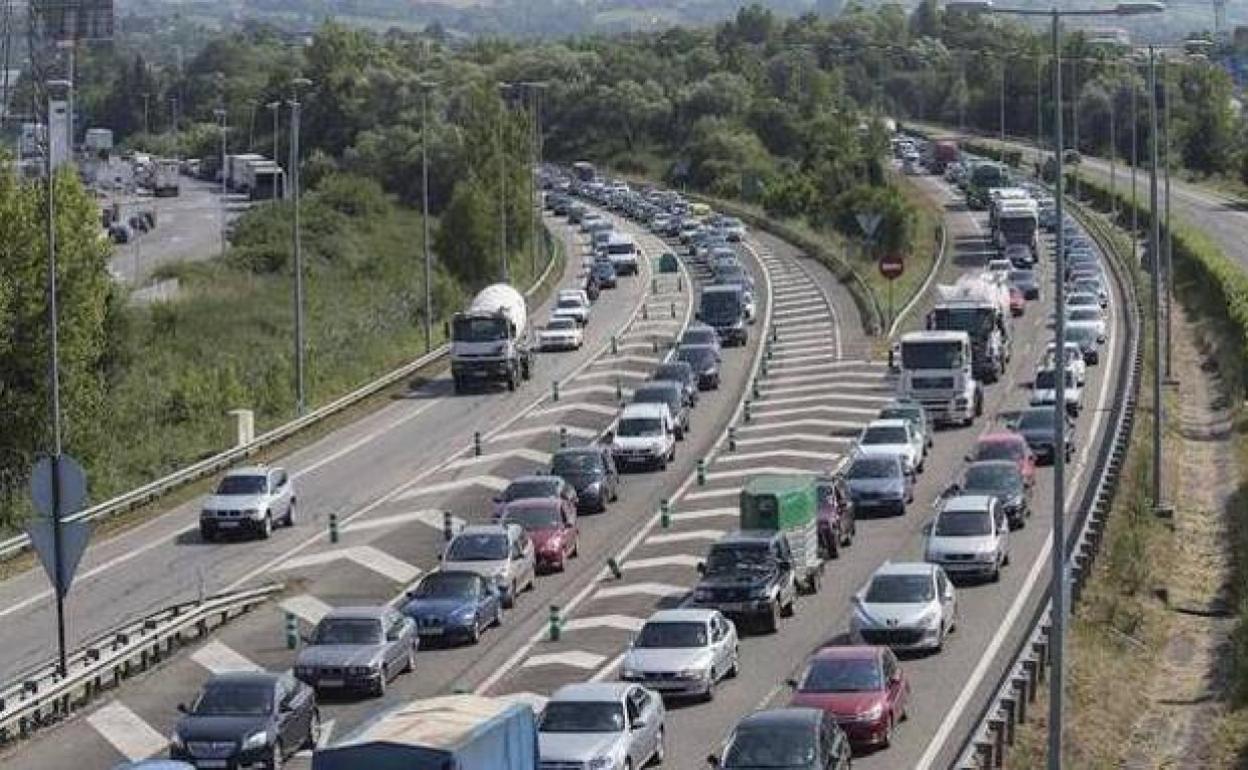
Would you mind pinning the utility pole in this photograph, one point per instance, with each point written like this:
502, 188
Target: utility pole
222, 116
1113, 154
1074, 112
1135, 160
1039, 102
1155, 258
1004, 60
425, 88
146, 97
275, 107
296, 236
503, 88
1169, 271
251, 127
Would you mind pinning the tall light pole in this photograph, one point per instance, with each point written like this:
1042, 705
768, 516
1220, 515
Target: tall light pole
1058, 588
503, 89
1135, 161
222, 116
534, 91
251, 126
1113, 155
146, 97
1074, 114
1154, 248
1169, 273
425, 87
300, 391
275, 107
1001, 104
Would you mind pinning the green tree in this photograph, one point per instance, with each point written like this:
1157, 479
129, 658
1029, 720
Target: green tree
467, 237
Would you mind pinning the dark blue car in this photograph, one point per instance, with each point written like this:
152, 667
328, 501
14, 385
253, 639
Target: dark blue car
453, 605
604, 272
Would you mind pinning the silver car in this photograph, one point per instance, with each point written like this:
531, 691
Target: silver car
683, 652
248, 500
501, 553
601, 725
905, 606
358, 649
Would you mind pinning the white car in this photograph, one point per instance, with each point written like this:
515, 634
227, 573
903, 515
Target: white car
644, 435
502, 553
250, 500
1074, 361
683, 652
571, 307
603, 726
970, 536
1044, 391
1087, 316
1000, 266
734, 229
576, 294
905, 606
893, 437
561, 333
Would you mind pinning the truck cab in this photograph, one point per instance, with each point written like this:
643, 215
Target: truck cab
937, 372
980, 308
723, 307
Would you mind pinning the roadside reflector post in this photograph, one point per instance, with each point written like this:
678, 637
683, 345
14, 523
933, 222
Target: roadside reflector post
775, 334
333, 528
448, 526
665, 513
619, 390
554, 390
476, 443
757, 390
680, 282
555, 624
732, 438
763, 367
645, 312
292, 631
615, 346
701, 473
563, 437
746, 413
654, 345
614, 566
673, 310
654, 285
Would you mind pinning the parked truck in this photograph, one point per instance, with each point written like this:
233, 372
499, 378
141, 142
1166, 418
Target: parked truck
236, 169
980, 306
1017, 222
452, 732
944, 153
166, 178
936, 371
490, 341
98, 140
262, 180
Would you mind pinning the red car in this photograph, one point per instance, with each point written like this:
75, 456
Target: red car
550, 526
537, 487
862, 687
1006, 445
837, 525
1017, 301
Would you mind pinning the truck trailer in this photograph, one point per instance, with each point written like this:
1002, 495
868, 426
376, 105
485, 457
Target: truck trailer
979, 306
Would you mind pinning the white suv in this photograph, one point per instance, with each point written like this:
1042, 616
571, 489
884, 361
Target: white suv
644, 435
970, 536
893, 437
249, 500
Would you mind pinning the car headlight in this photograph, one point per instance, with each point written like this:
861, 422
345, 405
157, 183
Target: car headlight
702, 595
256, 740
601, 763
176, 741
872, 714
465, 614
208, 513
362, 670
594, 489
693, 673
759, 592
252, 512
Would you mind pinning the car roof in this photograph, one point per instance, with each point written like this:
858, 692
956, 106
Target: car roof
250, 470
747, 536
639, 409
585, 449
542, 477
591, 692
244, 677
846, 652
1000, 437
483, 529
904, 568
681, 615
358, 613
782, 717
968, 503
888, 423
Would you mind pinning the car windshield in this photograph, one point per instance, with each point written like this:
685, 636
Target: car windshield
480, 329
482, 547
234, 699
656, 395
731, 559
991, 477
770, 747
242, 485
884, 435
1022, 277
530, 488
1084, 314
348, 631
1036, 418
900, 589
445, 585
531, 517
1081, 334
699, 337
872, 468
569, 302
931, 355
561, 324
842, 676
582, 717
566, 463
1046, 379
697, 356
639, 426
672, 635
900, 413
962, 524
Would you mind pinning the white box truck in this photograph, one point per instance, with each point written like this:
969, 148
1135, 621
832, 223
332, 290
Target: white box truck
936, 371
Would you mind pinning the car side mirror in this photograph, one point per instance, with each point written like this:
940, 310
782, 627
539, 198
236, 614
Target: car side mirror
792, 683
712, 760
701, 568
182, 709
285, 707
697, 315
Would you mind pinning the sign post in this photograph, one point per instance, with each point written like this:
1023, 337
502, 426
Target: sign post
58, 487
891, 267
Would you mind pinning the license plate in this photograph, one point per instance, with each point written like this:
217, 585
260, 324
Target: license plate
205, 764
226, 525
330, 683
432, 631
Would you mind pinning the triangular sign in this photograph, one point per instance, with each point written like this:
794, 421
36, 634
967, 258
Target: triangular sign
74, 537
868, 223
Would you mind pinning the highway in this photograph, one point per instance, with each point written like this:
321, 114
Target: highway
389, 476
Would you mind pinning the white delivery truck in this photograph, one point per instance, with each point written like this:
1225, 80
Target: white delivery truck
490, 341
936, 371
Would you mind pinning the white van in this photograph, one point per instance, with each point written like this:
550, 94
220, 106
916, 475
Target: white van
622, 250
644, 435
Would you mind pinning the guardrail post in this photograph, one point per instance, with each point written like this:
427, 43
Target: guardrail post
476, 444
701, 472
333, 528
732, 438
555, 623
1033, 679
448, 526
292, 631
1020, 697
665, 513
997, 726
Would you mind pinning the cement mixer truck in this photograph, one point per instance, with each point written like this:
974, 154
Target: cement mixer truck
490, 341
980, 306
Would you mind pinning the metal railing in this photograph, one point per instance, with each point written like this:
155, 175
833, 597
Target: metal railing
42, 696
986, 745
222, 460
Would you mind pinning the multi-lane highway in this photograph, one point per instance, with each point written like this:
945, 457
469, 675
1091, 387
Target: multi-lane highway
389, 477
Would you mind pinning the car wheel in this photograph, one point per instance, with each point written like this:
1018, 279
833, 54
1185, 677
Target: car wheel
498, 617
787, 610
409, 665
1005, 560
995, 577
734, 668
834, 544
314, 730
275, 758
474, 633
290, 514
771, 621
379, 689
509, 599
266, 526
887, 739
660, 750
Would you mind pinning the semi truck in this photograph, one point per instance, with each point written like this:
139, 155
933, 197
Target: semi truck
452, 732
979, 306
166, 178
263, 180
1017, 222
985, 176
236, 169
490, 341
937, 372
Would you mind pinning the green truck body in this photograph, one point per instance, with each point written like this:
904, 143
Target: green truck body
789, 504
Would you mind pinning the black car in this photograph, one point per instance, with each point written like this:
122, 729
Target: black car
247, 719
591, 472
679, 371
748, 575
1087, 340
604, 272
704, 360
670, 393
1002, 479
794, 738
1026, 282
1038, 428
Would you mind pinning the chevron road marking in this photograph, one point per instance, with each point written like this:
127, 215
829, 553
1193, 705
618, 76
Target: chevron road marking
862, 398
306, 607
590, 390
708, 513
823, 362
489, 482
574, 658
602, 409
799, 348
220, 659
792, 454
769, 470
621, 373
809, 438
364, 555
622, 622
674, 560
835, 378
805, 423
572, 430
640, 589
610, 360
663, 538
430, 517
133, 738
708, 493
524, 453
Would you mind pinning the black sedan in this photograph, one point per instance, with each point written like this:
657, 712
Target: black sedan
1002, 479
1038, 428
247, 720
681, 372
1026, 282
591, 472
704, 360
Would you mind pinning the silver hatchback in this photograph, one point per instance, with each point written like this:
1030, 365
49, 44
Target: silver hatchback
358, 649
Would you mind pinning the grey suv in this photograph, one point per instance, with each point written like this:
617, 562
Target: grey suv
670, 393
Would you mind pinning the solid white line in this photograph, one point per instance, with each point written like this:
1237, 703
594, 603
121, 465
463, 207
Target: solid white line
133, 738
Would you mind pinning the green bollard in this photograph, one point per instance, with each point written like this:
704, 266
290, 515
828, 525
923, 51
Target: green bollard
556, 623
665, 513
292, 631
732, 438
476, 443
614, 566
701, 473
619, 390
563, 437
615, 346
448, 526
554, 390
654, 285
756, 389
747, 410
333, 528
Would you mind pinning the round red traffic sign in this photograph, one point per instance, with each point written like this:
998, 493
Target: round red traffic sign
891, 266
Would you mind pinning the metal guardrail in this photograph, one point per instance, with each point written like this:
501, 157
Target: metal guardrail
986, 745
41, 696
222, 460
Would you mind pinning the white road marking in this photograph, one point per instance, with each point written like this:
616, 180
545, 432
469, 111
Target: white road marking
603, 409
824, 387
133, 738
862, 398
810, 422
220, 659
365, 440
306, 607
737, 473
523, 453
809, 438
659, 590
674, 560
708, 513
489, 482
833, 380
589, 390
622, 622
572, 430
707, 493
430, 517
606, 671
610, 360
621, 373
663, 538
366, 556
574, 658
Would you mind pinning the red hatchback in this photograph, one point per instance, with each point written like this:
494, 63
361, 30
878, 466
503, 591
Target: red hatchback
1006, 445
550, 526
862, 687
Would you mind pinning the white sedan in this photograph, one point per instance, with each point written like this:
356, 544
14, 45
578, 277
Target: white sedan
893, 437
561, 333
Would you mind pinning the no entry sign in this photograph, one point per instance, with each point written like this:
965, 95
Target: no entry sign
892, 266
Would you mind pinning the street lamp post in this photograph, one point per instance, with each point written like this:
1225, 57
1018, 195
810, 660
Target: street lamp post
1135, 161
296, 237
1154, 248
1058, 587
503, 89
275, 107
1001, 106
534, 91
1165, 93
146, 97
222, 117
